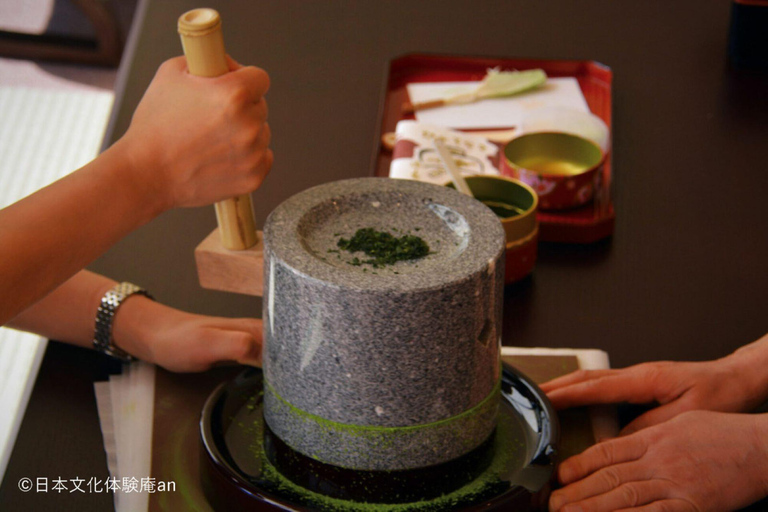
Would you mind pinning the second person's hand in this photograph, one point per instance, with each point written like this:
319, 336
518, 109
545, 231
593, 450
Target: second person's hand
735, 383
699, 461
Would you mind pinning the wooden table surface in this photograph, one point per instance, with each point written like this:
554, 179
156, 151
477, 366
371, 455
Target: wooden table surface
684, 277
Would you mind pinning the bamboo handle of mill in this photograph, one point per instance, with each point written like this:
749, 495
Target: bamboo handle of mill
410, 108
203, 43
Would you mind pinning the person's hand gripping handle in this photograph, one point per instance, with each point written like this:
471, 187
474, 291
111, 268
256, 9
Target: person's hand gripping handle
203, 43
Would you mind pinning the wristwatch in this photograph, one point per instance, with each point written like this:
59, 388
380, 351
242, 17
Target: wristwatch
105, 315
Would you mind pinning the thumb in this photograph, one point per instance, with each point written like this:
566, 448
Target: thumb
241, 346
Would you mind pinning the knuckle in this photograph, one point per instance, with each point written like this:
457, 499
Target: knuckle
649, 369
254, 180
581, 375
266, 163
611, 477
566, 469
239, 96
244, 141
266, 79
574, 469
261, 77
167, 65
262, 161
630, 495
654, 374
267, 134
235, 98
241, 347
605, 452
251, 135
254, 162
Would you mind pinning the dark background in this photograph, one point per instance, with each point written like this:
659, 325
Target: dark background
686, 274
685, 277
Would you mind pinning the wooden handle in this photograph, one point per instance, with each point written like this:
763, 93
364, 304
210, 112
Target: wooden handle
203, 43
410, 108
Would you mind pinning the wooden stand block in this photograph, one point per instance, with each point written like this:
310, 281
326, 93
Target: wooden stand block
230, 271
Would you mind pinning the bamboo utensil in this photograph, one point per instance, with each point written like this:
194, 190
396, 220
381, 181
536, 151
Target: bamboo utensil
203, 43
495, 84
453, 170
462, 186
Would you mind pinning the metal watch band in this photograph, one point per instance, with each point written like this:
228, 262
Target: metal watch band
105, 315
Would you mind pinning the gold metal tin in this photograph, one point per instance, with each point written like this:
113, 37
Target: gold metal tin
560, 167
512, 191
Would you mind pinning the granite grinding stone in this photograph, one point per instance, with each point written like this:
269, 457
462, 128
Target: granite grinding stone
382, 368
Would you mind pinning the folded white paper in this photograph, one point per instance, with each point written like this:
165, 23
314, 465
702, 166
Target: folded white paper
126, 405
506, 112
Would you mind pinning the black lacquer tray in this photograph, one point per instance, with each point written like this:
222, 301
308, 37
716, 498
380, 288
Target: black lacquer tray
511, 471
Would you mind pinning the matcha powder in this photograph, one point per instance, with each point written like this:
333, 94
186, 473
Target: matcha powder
382, 248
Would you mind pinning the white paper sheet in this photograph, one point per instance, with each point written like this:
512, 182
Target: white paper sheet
497, 112
126, 405
20, 357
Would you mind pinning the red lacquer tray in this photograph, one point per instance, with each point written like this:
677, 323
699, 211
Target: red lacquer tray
585, 224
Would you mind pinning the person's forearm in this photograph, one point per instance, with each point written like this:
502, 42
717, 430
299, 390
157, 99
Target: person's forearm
49, 236
141, 327
68, 313
751, 365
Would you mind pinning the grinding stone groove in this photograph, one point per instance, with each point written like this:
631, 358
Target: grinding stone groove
381, 448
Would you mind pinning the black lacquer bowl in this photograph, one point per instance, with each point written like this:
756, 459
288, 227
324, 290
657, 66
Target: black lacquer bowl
245, 467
